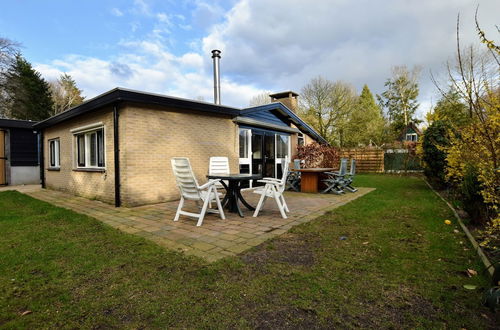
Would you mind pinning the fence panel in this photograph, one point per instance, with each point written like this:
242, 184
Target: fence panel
367, 160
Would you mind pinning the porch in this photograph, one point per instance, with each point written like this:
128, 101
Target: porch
216, 238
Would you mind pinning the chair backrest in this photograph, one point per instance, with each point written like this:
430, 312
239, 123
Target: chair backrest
343, 166
296, 164
352, 170
219, 165
285, 166
185, 178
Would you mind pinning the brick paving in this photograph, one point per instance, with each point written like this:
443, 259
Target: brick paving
216, 238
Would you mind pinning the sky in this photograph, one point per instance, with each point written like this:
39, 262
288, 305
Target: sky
164, 46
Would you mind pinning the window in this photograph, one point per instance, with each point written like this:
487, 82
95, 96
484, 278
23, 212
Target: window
300, 139
244, 142
411, 137
54, 153
90, 149
281, 146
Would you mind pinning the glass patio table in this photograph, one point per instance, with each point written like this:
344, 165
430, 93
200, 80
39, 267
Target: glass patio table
233, 190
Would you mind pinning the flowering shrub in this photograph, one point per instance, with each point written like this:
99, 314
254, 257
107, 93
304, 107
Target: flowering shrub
478, 146
318, 155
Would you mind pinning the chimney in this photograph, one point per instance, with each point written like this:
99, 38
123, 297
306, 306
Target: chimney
216, 59
289, 99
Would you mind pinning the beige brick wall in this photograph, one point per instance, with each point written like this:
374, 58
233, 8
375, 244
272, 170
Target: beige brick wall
94, 185
150, 137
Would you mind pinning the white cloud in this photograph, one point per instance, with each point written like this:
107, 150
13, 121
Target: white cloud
281, 45
116, 12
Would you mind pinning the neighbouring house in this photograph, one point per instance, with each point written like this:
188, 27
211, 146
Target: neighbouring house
117, 146
18, 153
410, 133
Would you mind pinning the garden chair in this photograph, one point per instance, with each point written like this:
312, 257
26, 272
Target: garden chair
274, 188
335, 180
190, 190
219, 165
293, 180
349, 177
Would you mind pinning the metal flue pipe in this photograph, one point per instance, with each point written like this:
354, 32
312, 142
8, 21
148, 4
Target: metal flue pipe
216, 59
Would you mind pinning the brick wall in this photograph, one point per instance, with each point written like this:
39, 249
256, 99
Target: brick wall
150, 137
94, 185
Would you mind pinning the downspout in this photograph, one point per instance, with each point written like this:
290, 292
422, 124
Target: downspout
41, 158
116, 144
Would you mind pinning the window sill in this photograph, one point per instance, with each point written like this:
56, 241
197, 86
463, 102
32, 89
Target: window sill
99, 170
57, 169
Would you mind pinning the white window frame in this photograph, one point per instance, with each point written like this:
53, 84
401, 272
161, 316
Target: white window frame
57, 153
300, 136
288, 151
411, 135
86, 131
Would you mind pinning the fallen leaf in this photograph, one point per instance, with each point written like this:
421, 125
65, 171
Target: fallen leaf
470, 287
26, 313
455, 231
471, 272
364, 243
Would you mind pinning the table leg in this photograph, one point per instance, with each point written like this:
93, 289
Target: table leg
309, 182
226, 196
233, 198
240, 197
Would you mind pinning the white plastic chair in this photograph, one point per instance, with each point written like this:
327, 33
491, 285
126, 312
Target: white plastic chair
274, 188
190, 190
219, 165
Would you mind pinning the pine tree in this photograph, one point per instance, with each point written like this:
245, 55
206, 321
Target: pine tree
28, 94
450, 108
369, 119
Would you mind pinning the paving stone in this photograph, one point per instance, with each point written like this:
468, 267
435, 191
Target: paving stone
216, 238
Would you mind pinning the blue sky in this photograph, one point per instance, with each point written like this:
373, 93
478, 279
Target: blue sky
164, 46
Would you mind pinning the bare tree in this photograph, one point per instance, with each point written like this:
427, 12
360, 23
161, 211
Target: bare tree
327, 106
260, 99
65, 93
8, 51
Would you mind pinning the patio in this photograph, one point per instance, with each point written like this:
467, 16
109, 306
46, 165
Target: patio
216, 238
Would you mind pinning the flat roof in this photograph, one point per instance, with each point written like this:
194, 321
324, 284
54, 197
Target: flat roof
118, 94
15, 123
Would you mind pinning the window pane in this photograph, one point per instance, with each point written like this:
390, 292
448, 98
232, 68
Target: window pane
281, 146
300, 139
100, 148
243, 143
52, 153
81, 149
93, 149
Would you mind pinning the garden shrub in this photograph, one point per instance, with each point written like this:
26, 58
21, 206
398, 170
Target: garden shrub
318, 155
472, 200
434, 145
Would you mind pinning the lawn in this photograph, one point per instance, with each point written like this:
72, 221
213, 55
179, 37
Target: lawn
383, 260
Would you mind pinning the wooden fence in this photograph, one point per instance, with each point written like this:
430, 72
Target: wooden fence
367, 160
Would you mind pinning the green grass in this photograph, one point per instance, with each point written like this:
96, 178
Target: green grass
400, 266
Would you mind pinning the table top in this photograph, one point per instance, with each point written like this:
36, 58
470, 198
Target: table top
235, 176
315, 169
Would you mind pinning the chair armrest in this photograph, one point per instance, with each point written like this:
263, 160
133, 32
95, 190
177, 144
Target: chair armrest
209, 183
270, 181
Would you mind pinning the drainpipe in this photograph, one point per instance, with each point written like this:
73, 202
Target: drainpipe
41, 158
116, 148
216, 59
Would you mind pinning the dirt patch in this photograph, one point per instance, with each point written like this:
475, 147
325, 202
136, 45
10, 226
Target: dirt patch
289, 248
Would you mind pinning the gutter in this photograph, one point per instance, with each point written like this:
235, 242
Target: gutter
116, 149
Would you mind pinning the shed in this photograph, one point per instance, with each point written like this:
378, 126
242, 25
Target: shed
18, 152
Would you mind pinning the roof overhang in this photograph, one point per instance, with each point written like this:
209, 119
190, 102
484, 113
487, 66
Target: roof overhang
14, 123
263, 124
118, 95
291, 116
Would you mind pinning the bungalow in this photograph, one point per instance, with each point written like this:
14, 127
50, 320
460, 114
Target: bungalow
18, 153
117, 146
